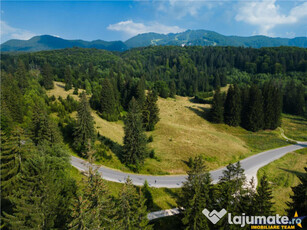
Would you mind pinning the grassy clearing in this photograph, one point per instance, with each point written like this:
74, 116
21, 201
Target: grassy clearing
59, 90
282, 175
295, 127
182, 132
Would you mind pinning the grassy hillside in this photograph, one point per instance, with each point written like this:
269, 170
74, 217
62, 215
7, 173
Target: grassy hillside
295, 127
282, 174
183, 132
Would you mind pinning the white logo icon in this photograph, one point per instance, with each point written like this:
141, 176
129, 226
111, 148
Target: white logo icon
214, 216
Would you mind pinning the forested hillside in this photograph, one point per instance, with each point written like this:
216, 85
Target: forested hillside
39, 131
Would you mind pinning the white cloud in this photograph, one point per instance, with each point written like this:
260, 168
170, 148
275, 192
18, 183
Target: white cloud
181, 8
7, 32
266, 15
132, 28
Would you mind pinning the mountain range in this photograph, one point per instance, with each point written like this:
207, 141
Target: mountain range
187, 38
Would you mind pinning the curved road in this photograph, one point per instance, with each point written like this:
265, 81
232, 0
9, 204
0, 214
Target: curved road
250, 165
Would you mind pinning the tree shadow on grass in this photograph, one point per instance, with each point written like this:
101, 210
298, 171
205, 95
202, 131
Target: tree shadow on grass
172, 193
298, 174
116, 148
200, 111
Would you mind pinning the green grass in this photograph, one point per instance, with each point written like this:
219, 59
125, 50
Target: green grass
295, 127
282, 175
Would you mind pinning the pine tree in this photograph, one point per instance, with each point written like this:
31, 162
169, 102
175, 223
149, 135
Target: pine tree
140, 92
47, 76
14, 149
131, 211
271, 105
108, 105
81, 215
232, 107
84, 131
12, 97
68, 78
93, 207
299, 198
230, 192
150, 113
148, 196
22, 76
264, 197
196, 195
254, 117
36, 200
42, 128
134, 149
216, 112
172, 89
217, 82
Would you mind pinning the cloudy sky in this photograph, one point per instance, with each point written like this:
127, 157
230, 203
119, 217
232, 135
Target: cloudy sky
120, 20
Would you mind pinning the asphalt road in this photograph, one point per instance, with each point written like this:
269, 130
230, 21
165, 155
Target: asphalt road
251, 165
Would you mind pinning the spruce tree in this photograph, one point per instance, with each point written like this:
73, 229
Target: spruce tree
134, 149
196, 195
150, 113
108, 104
254, 116
277, 101
22, 76
36, 200
14, 149
299, 198
216, 112
92, 207
230, 192
42, 128
47, 76
232, 107
172, 89
272, 103
140, 92
131, 211
148, 196
217, 82
264, 197
84, 130
68, 78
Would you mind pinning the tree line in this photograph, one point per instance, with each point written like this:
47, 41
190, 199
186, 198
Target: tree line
253, 108
169, 70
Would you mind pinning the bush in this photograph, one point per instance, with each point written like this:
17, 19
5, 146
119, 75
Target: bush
152, 154
150, 139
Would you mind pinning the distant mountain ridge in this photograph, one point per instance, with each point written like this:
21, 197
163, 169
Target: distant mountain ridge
210, 38
187, 38
48, 42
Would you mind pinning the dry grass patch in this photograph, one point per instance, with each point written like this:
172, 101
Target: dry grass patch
182, 133
59, 90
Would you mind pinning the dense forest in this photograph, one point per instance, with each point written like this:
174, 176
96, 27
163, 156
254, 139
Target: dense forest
37, 131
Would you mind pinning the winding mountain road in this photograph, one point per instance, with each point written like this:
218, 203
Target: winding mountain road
251, 165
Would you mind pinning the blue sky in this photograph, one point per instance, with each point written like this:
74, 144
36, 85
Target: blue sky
120, 20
